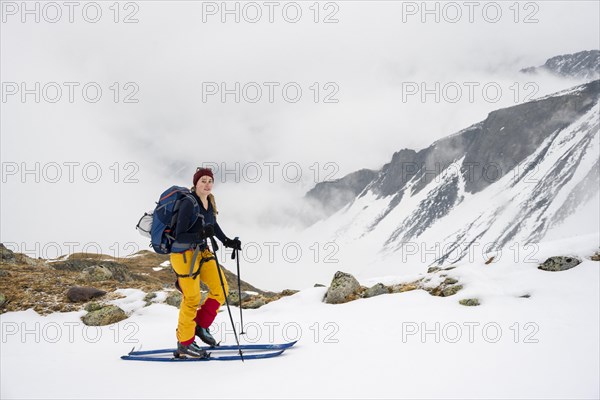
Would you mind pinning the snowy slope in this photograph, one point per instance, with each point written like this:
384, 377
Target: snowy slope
405, 345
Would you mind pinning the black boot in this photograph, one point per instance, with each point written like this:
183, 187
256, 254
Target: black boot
205, 336
191, 350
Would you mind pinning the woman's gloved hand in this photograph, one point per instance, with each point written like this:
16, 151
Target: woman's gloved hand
235, 244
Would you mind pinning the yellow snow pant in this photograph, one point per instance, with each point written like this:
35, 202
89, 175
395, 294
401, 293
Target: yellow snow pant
189, 314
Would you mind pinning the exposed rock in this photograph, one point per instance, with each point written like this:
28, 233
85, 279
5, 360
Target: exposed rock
95, 273
174, 298
4, 273
93, 306
490, 260
376, 290
596, 257
431, 270
120, 271
559, 263
525, 296
255, 302
404, 287
2, 300
150, 296
469, 302
234, 298
288, 292
82, 294
104, 316
445, 289
451, 290
7, 255
319, 285
25, 259
344, 287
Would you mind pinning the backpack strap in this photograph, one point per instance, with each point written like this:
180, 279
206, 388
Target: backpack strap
197, 213
196, 250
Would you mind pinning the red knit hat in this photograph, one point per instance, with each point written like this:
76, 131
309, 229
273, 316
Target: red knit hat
200, 172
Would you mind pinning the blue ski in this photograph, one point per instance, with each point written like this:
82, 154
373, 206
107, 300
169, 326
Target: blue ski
211, 358
275, 346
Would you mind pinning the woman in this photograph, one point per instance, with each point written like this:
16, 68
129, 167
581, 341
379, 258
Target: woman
194, 230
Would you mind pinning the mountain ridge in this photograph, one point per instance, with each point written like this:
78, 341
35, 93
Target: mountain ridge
514, 143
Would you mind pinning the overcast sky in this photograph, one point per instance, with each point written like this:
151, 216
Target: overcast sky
174, 61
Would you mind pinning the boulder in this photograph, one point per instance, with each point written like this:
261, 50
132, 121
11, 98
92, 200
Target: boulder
559, 263
82, 294
104, 316
344, 288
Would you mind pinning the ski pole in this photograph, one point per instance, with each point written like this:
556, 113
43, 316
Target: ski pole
214, 246
236, 255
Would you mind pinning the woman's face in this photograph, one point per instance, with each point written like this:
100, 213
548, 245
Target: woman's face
204, 185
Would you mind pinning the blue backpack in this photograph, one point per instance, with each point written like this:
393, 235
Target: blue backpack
159, 224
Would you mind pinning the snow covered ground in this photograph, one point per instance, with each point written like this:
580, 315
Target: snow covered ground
405, 345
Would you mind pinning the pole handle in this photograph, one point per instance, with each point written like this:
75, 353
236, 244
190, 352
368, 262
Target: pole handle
233, 253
